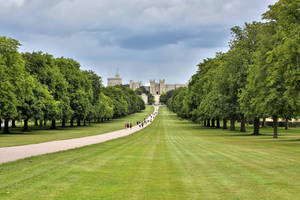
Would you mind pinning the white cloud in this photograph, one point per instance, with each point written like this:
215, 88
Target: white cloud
11, 3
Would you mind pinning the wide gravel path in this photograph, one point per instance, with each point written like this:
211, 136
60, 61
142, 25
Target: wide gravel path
8, 154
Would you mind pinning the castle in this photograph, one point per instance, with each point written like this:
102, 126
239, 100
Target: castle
156, 88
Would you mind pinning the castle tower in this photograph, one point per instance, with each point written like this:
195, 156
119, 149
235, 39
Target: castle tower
162, 86
131, 83
152, 87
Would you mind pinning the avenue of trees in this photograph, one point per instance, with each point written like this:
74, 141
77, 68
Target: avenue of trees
257, 78
40, 88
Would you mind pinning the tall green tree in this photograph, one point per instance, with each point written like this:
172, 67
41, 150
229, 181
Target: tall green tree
79, 89
12, 75
277, 59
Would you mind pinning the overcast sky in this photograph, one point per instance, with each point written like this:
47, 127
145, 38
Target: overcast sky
144, 39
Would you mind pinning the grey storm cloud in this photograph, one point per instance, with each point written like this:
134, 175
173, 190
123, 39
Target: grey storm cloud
144, 39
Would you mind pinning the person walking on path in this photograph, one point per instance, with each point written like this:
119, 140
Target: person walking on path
130, 125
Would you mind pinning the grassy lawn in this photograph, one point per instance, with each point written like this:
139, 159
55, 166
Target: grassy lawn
170, 159
17, 137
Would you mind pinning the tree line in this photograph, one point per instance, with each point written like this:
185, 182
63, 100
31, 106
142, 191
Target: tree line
257, 78
36, 86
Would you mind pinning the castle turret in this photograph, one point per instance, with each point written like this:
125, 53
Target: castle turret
131, 83
162, 86
152, 87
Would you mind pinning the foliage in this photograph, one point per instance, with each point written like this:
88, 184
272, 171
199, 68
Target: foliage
164, 97
258, 77
36, 86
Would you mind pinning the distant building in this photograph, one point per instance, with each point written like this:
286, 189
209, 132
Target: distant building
117, 80
156, 88
162, 87
135, 85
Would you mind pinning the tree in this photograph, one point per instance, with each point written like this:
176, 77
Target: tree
79, 90
8, 99
44, 69
118, 99
245, 45
11, 79
104, 108
164, 97
97, 85
278, 61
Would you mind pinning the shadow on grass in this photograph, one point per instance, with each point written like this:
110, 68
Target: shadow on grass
291, 140
36, 130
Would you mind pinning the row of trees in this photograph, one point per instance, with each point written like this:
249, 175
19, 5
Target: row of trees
36, 86
258, 77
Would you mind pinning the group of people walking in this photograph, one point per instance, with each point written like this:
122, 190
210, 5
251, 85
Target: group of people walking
143, 123
146, 121
128, 125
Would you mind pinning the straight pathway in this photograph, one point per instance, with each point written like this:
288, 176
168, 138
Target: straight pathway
8, 154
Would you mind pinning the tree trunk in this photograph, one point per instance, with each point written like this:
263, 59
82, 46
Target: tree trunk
36, 122
213, 123
256, 126
25, 128
45, 122
84, 122
224, 123
13, 123
275, 125
204, 123
63, 123
6, 126
263, 122
0, 124
243, 125
208, 123
232, 124
53, 123
41, 123
78, 122
218, 123
72, 122
286, 124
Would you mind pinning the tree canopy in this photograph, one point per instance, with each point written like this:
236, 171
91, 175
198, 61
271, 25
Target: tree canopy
36, 86
258, 77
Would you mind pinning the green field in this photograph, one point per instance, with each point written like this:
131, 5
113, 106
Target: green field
17, 137
170, 159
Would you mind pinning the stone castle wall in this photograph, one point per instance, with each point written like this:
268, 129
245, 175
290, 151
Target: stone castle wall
135, 85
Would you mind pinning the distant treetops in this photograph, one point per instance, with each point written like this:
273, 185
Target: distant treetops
258, 77
36, 86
